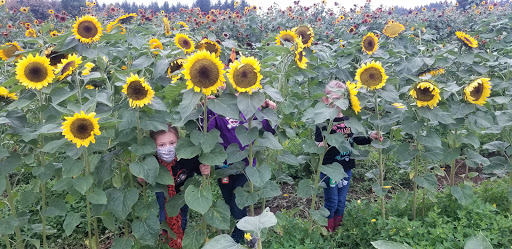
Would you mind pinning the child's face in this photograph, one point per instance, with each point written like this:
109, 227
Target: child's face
165, 140
331, 96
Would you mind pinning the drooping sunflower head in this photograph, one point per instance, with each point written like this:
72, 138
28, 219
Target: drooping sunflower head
426, 94
285, 36
353, 89
204, 71
210, 46
305, 33
81, 128
184, 43
87, 68
87, 29
175, 66
393, 29
10, 49
67, 66
138, 91
54, 56
467, 39
370, 43
300, 55
371, 75
245, 75
34, 72
167, 26
124, 19
5, 95
478, 91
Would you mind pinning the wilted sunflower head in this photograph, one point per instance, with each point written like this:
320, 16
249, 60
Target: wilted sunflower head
210, 46
371, 75
81, 128
138, 91
305, 33
245, 75
10, 49
167, 26
54, 56
175, 66
426, 94
87, 29
370, 43
467, 39
184, 43
124, 19
478, 91
67, 66
204, 71
285, 36
393, 29
34, 72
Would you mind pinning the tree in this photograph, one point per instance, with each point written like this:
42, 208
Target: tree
165, 7
72, 7
204, 5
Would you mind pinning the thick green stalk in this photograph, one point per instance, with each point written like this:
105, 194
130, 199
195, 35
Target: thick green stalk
7, 243
10, 201
139, 139
415, 187
251, 159
381, 162
204, 181
89, 216
42, 184
453, 168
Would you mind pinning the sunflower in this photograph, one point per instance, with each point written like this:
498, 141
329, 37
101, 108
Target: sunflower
67, 66
478, 91
491, 7
111, 26
175, 66
468, 40
34, 72
209, 46
183, 24
155, 44
371, 75
300, 55
305, 32
245, 75
124, 19
54, 33
31, 33
203, 70
10, 50
351, 30
55, 57
353, 89
426, 94
51, 11
370, 43
81, 128
285, 36
184, 43
24, 9
88, 66
167, 26
87, 29
4, 94
341, 43
138, 91
393, 29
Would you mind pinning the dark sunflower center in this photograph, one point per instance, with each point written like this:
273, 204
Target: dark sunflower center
126, 20
300, 55
82, 128
36, 72
245, 76
467, 40
136, 91
68, 67
476, 93
304, 33
351, 30
204, 73
287, 38
210, 47
184, 43
369, 44
87, 29
56, 58
371, 77
424, 94
175, 66
9, 52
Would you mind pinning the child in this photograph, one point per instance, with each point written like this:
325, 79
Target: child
181, 170
335, 192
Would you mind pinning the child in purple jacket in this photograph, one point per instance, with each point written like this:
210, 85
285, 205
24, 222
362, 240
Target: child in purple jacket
227, 185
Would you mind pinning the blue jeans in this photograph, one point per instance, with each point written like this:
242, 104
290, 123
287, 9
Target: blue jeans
228, 193
160, 199
335, 197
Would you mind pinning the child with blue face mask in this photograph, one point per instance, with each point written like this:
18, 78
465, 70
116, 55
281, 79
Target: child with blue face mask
181, 170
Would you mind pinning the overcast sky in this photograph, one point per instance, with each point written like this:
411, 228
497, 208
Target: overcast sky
283, 3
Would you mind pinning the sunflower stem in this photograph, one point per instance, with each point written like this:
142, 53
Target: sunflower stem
42, 184
381, 162
10, 202
139, 139
86, 173
251, 158
415, 185
203, 179
453, 168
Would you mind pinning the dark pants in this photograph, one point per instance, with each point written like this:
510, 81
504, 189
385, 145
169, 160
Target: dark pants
336, 196
160, 199
228, 193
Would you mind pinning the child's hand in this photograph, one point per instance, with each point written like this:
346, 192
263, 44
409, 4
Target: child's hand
269, 104
375, 135
205, 169
141, 180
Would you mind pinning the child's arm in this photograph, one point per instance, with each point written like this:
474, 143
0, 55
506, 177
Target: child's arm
361, 140
265, 124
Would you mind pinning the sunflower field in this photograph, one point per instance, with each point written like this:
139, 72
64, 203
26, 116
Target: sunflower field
80, 95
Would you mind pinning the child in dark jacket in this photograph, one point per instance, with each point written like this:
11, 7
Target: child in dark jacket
181, 170
336, 190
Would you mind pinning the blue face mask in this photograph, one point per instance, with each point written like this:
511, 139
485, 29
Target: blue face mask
167, 154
